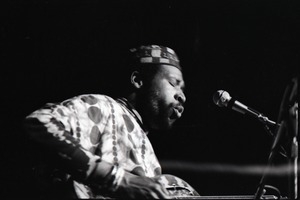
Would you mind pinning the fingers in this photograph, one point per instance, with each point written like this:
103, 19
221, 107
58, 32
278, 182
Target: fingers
142, 188
163, 192
154, 190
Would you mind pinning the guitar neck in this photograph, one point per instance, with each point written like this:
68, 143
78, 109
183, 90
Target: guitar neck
228, 197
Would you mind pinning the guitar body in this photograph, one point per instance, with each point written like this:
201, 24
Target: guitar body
176, 187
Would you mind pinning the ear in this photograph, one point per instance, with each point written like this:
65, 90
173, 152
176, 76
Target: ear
136, 79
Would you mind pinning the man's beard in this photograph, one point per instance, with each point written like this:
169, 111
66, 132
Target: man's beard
156, 112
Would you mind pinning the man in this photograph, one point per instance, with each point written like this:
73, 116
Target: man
100, 143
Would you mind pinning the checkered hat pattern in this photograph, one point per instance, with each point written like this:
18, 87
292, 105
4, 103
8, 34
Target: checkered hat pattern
155, 54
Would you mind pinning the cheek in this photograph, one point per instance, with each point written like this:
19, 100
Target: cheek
160, 99
169, 93
163, 93
165, 101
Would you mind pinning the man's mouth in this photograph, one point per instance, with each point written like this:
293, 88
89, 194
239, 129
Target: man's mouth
176, 112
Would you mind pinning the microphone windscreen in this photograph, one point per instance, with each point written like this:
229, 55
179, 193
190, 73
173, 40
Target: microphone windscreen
221, 98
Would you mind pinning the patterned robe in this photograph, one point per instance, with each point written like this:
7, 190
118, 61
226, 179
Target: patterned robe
89, 128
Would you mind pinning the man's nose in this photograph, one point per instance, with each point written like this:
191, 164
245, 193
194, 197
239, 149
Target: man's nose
180, 97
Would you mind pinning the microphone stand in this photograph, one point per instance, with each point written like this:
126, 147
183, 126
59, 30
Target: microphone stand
275, 145
293, 129
288, 118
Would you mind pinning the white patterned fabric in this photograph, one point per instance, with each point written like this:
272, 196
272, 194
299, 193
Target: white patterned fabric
89, 128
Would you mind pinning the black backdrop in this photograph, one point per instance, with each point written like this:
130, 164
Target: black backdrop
52, 50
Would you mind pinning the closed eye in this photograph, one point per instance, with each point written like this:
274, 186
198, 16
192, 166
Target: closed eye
173, 84
177, 84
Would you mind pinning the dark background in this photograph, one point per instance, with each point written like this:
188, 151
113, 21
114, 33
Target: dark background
53, 50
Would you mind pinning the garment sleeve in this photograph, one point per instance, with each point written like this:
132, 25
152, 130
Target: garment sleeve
50, 128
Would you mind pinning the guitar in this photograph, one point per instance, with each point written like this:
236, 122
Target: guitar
174, 185
178, 189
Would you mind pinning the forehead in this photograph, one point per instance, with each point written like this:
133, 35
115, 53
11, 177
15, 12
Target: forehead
168, 70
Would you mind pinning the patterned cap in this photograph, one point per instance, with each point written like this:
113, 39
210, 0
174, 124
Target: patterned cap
155, 54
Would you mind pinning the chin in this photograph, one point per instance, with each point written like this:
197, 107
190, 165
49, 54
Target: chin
162, 127
162, 124
168, 125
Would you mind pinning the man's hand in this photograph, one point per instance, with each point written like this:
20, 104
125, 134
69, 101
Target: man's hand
138, 187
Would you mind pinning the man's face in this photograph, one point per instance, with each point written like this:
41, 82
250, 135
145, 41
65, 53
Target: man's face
163, 98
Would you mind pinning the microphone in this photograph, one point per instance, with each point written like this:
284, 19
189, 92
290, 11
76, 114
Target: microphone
222, 99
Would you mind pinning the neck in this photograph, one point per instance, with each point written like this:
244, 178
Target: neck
132, 99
